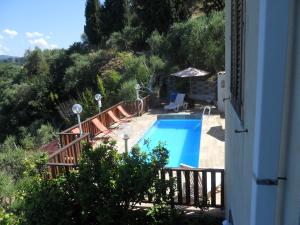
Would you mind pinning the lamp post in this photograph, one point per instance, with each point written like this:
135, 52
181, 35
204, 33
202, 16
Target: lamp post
77, 109
137, 89
126, 132
98, 98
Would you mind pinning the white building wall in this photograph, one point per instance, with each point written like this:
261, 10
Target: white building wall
291, 192
238, 162
242, 165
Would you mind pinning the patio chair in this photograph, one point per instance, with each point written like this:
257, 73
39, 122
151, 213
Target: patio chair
102, 129
124, 113
115, 118
179, 102
75, 130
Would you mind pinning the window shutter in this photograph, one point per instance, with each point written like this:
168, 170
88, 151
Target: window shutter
237, 54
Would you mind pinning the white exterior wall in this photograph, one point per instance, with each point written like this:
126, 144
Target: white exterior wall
271, 147
238, 162
221, 92
291, 192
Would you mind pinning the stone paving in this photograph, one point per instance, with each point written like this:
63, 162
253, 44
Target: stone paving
212, 144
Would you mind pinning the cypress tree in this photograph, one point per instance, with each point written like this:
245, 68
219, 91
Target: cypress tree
153, 15
114, 16
92, 28
160, 14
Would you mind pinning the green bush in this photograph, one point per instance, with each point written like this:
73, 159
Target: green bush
156, 42
45, 134
129, 39
116, 41
127, 91
89, 105
8, 218
50, 202
11, 162
7, 190
105, 190
136, 68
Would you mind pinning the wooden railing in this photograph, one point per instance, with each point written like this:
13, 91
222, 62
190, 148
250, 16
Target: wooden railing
67, 157
131, 107
195, 187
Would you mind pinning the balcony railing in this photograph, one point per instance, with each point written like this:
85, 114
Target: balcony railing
66, 136
67, 156
195, 186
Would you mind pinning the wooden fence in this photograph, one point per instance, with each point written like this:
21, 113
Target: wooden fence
131, 107
67, 156
196, 187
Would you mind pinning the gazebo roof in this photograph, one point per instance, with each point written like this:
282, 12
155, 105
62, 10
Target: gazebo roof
190, 72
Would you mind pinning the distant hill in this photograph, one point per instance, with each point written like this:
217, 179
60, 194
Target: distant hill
5, 57
13, 59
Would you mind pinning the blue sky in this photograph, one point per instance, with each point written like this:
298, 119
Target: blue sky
48, 24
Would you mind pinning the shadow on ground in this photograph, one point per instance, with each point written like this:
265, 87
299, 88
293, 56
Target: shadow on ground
217, 132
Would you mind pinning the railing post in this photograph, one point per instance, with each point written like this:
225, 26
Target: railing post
172, 188
222, 190
179, 187
187, 187
213, 188
204, 187
196, 188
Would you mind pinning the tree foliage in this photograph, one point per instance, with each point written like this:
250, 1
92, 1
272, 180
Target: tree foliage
160, 14
93, 24
198, 43
114, 17
210, 6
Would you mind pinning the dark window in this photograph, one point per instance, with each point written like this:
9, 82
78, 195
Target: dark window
237, 55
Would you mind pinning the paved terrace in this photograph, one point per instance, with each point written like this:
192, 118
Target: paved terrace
212, 135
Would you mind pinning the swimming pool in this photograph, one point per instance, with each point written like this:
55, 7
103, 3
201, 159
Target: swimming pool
182, 139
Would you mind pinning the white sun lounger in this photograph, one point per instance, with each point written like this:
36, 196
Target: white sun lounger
179, 102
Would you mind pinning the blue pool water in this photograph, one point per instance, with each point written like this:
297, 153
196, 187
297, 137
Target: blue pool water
182, 139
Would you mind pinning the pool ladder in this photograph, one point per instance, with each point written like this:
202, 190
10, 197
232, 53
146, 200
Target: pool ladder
206, 108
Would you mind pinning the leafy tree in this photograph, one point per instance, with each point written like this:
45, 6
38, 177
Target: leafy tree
77, 75
93, 25
198, 42
35, 63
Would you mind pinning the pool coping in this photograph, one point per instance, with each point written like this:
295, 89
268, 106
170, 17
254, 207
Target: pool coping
179, 116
